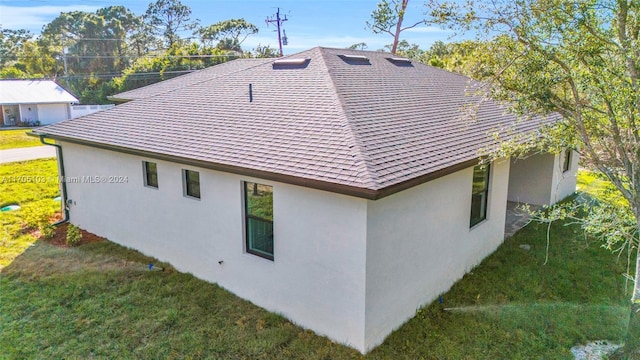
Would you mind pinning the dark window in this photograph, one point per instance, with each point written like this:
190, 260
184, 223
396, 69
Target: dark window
191, 183
258, 209
479, 194
150, 174
566, 165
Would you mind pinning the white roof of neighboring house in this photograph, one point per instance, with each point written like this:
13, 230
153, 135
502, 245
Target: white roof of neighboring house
33, 92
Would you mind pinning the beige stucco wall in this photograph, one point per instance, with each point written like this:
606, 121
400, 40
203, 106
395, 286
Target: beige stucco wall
539, 179
52, 113
564, 183
318, 276
345, 267
419, 243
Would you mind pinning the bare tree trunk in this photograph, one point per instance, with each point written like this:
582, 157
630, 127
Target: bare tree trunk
631, 348
632, 343
396, 37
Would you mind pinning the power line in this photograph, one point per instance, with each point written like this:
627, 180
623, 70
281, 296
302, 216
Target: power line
125, 56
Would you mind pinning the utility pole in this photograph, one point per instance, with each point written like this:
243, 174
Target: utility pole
65, 50
278, 21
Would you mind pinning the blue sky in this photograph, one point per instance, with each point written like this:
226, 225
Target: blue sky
331, 23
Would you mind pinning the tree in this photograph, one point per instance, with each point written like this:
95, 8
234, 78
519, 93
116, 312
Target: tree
411, 51
265, 52
580, 59
11, 43
388, 17
178, 60
93, 45
358, 46
229, 34
169, 17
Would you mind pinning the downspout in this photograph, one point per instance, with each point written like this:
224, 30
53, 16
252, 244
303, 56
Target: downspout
63, 181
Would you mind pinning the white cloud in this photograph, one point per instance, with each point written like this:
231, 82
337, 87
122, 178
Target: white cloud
34, 17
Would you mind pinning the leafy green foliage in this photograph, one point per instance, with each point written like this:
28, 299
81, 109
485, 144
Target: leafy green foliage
178, 60
86, 51
11, 44
74, 235
229, 34
167, 18
48, 231
580, 60
388, 18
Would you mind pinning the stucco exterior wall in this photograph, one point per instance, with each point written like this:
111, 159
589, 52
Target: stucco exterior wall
419, 243
539, 180
52, 113
29, 113
317, 278
531, 179
564, 183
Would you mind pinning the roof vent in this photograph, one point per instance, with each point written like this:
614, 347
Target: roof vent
291, 63
355, 59
400, 61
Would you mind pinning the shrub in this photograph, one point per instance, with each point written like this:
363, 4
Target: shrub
73, 235
48, 231
35, 216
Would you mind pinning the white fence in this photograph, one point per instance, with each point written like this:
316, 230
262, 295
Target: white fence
81, 110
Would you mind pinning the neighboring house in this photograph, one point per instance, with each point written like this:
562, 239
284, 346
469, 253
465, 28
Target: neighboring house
82, 110
339, 188
32, 102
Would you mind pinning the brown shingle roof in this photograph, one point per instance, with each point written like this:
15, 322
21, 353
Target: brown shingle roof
366, 126
188, 79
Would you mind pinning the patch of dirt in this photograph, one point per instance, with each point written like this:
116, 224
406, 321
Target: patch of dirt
60, 237
595, 350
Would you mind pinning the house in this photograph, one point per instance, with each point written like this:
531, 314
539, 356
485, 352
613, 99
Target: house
340, 188
31, 102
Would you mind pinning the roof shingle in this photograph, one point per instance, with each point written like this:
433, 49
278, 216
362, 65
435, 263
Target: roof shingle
366, 126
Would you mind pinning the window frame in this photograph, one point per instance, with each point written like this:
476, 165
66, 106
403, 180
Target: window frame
566, 160
485, 191
146, 174
246, 218
186, 181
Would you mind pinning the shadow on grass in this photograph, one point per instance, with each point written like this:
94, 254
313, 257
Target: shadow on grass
99, 300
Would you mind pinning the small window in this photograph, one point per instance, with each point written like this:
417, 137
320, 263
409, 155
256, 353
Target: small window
258, 209
479, 194
150, 174
566, 161
191, 183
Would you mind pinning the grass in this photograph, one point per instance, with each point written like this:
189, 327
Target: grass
98, 300
598, 186
32, 185
10, 139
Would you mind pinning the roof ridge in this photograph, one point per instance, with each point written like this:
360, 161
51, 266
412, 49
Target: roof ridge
370, 176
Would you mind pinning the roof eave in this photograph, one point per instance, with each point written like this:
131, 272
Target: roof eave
364, 193
267, 175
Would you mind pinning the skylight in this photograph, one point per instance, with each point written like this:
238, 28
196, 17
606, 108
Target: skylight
399, 60
291, 62
355, 59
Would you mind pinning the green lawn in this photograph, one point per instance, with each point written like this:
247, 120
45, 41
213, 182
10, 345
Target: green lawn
98, 300
10, 139
32, 185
